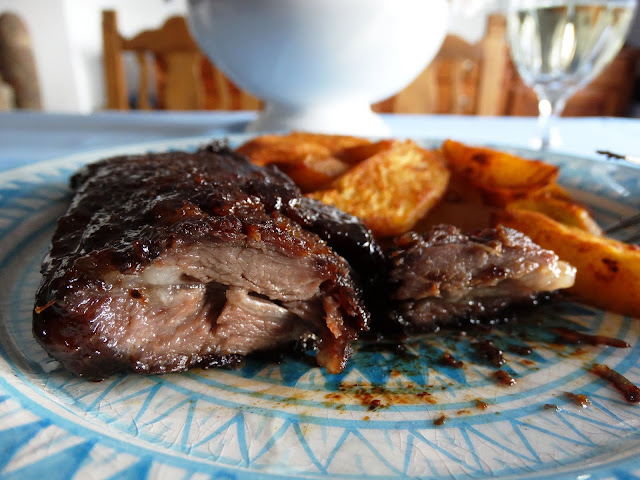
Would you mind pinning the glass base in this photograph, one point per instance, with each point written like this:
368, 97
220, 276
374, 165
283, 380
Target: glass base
554, 141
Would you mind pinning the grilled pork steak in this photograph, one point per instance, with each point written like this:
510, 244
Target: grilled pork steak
174, 260
445, 275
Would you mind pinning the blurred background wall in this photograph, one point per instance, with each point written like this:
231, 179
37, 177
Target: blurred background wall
67, 40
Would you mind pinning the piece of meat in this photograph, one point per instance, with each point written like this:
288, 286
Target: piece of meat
173, 260
445, 275
350, 238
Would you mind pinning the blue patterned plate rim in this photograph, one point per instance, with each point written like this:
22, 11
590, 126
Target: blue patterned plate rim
234, 424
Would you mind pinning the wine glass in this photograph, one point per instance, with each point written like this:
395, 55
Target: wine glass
559, 46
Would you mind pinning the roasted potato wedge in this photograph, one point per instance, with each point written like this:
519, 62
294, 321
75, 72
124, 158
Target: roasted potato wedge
392, 190
608, 274
314, 173
563, 210
297, 146
280, 149
359, 153
311, 160
334, 143
497, 177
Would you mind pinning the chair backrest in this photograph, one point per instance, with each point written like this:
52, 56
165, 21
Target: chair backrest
184, 78
463, 78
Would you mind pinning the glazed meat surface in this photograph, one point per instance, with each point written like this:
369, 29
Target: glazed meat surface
445, 275
173, 260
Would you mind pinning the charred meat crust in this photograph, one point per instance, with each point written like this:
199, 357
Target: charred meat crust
134, 215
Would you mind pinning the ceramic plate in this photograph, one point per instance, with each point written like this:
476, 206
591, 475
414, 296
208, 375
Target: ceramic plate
391, 413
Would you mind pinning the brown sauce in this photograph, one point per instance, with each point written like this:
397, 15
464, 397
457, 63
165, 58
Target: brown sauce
490, 352
440, 420
379, 397
41, 309
629, 391
449, 361
425, 396
399, 348
504, 378
523, 350
579, 399
333, 396
573, 336
376, 397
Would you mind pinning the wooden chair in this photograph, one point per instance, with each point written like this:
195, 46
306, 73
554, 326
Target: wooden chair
184, 78
463, 78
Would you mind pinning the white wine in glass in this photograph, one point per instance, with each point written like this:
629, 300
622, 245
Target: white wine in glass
560, 46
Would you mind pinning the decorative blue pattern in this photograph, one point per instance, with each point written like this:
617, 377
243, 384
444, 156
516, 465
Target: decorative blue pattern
289, 420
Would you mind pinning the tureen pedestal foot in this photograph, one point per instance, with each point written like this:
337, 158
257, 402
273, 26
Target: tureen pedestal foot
349, 118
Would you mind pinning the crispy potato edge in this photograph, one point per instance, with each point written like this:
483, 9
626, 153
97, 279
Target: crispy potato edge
608, 271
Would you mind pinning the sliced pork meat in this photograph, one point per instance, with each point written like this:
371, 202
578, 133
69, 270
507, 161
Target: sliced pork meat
169, 261
445, 275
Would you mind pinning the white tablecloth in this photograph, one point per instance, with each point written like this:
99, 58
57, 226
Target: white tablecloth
27, 137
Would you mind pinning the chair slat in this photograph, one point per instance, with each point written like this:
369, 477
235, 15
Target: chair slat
113, 62
184, 78
143, 89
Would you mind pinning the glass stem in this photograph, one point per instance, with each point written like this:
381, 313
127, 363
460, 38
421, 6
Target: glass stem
549, 109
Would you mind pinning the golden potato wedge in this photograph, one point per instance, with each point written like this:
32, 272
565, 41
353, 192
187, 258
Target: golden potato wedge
314, 173
608, 274
563, 210
311, 160
333, 142
498, 177
391, 190
279, 149
556, 191
295, 147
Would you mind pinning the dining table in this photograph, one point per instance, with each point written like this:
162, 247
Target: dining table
284, 418
27, 137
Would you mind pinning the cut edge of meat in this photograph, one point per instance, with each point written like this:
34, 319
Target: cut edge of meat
444, 276
170, 298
